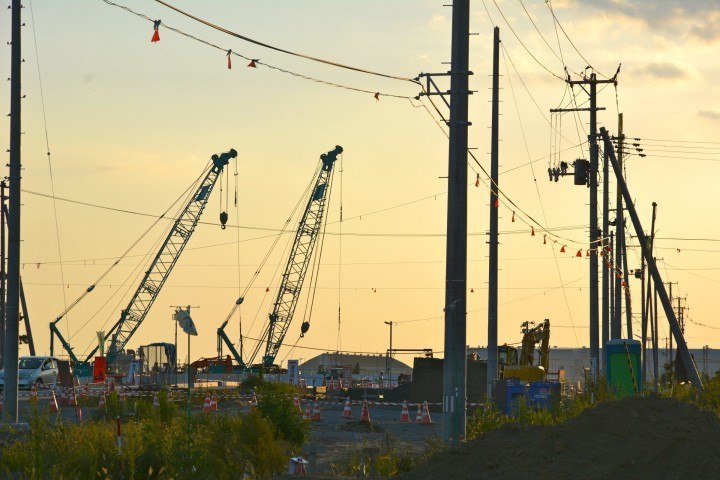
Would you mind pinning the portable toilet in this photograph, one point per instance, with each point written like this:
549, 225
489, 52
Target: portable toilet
623, 367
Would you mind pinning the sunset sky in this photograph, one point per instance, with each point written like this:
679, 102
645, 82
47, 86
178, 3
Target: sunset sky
131, 124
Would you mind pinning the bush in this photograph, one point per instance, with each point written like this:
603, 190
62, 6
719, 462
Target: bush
199, 447
276, 404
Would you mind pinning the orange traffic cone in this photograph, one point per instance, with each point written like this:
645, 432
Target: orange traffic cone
33, 394
156, 402
206, 406
347, 411
365, 412
53, 403
101, 402
316, 412
405, 415
71, 400
296, 402
213, 403
425, 415
418, 417
307, 412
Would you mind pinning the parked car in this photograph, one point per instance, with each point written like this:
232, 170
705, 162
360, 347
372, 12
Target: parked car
34, 371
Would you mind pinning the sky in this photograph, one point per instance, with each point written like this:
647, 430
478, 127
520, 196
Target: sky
131, 124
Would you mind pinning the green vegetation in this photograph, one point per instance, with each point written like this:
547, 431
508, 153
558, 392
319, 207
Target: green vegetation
159, 443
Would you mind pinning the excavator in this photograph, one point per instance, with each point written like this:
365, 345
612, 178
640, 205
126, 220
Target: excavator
516, 365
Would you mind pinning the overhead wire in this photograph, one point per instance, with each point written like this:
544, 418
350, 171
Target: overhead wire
49, 159
537, 189
288, 52
231, 52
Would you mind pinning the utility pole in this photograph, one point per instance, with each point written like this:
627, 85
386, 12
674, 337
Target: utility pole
670, 284
605, 329
3, 273
649, 300
388, 359
594, 234
622, 240
616, 325
492, 362
454, 371
10, 358
683, 350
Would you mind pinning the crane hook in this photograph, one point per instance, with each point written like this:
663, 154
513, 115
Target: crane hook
223, 219
304, 328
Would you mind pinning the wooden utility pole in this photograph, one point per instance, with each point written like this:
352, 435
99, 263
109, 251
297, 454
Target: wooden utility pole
10, 358
492, 362
454, 370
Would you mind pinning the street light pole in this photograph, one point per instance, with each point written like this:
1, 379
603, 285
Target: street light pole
388, 363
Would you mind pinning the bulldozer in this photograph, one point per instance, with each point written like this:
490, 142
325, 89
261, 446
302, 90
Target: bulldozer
520, 365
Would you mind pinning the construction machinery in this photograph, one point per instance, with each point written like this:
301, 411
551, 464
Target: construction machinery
521, 365
157, 273
291, 285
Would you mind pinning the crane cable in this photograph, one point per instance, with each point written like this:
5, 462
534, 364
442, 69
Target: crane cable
128, 250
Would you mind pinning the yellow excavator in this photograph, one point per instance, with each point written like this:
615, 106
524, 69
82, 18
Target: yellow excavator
521, 367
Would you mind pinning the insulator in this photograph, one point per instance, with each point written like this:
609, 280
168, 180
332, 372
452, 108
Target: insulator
223, 219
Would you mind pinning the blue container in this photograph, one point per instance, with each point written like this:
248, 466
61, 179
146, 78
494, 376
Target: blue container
543, 394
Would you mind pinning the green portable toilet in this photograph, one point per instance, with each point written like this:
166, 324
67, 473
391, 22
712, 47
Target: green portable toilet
624, 367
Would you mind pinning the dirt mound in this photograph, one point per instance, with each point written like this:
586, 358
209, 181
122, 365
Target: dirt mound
633, 438
362, 427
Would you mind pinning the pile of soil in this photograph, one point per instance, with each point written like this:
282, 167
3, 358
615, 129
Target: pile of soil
633, 438
361, 427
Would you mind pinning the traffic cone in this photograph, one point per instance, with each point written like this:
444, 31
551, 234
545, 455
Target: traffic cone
405, 415
425, 415
316, 412
296, 402
71, 400
156, 402
365, 412
307, 412
101, 402
53, 403
213, 403
33, 394
418, 417
347, 411
207, 407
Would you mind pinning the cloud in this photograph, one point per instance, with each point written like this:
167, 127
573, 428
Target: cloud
662, 70
437, 21
675, 20
709, 114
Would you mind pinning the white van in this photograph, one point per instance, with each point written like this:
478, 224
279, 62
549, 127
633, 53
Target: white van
34, 370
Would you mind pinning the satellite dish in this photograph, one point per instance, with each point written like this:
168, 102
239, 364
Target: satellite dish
185, 322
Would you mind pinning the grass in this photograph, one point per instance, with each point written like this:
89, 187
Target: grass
158, 443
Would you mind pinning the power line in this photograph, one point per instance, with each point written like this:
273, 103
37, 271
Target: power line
289, 52
227, 51
525, 46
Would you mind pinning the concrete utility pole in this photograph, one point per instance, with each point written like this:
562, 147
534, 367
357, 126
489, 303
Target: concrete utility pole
492, 362
649, 309
605, 329
616, 322
10, 359
682, 347
594, 235
388, 359
454, 373
3, 272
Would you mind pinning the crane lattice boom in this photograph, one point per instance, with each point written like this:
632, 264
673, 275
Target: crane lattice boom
163, 263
